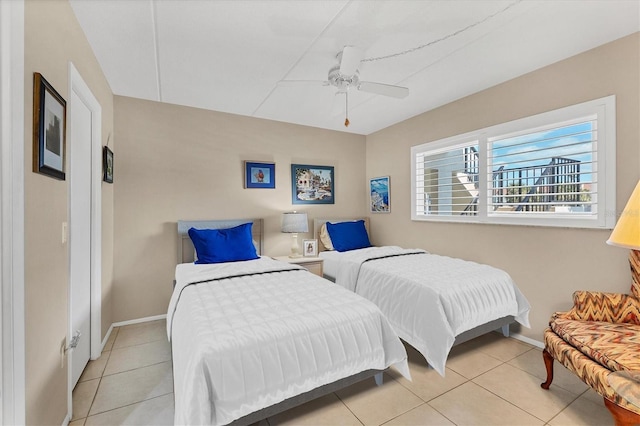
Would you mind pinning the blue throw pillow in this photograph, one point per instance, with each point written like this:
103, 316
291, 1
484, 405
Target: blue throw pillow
347, 236
223, 245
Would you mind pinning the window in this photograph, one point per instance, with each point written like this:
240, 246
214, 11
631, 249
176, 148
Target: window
552, 169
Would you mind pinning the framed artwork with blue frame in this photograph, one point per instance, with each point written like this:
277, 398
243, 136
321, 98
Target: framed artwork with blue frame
312, 184
380, 200
259, 175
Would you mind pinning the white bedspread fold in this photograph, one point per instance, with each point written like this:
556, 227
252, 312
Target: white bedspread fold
430, 299
252, 334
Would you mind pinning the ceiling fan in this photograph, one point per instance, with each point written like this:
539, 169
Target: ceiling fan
345, 76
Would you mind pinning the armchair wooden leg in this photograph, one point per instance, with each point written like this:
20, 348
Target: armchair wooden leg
622, 416
548, 362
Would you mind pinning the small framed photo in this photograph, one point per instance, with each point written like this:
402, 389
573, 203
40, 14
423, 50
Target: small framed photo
259, 175
49, 129
312, 184
380, 200
310, 248
107, 165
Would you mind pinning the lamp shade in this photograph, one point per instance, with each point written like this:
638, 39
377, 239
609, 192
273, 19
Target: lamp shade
627, 231
295, 222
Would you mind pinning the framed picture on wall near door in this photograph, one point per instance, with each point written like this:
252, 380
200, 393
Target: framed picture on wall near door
107, 164
49, 129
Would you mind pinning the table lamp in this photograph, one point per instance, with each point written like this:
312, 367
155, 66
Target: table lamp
294, 223
627, 232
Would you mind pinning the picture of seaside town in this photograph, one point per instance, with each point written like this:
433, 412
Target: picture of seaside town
379, 189
313, 184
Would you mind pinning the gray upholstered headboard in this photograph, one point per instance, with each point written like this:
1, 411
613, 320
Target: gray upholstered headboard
185, 246
317, 224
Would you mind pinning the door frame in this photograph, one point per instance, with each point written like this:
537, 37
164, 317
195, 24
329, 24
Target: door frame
12, 140
80, 88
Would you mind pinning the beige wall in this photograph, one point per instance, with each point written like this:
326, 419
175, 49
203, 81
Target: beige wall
53, 37
176, 162
547, 263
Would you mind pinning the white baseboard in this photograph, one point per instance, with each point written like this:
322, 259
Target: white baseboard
106, 338
139, 320
528, 340
129, 322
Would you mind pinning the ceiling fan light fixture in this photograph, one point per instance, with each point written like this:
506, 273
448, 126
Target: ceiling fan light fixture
341, 81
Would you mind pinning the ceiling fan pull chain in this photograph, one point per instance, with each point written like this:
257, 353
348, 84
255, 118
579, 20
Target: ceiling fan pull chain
346, 109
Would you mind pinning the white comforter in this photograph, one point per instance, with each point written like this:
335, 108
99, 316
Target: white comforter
268, 332
430, 299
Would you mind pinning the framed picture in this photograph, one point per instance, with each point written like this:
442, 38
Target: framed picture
107, 164
312, 184
380, 201
49, 129
259, 175
310, 248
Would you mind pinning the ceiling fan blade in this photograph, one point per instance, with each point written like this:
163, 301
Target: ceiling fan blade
295, 83
351, 57
384, 89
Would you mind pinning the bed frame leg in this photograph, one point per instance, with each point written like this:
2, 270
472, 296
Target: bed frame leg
505, 330
378, 379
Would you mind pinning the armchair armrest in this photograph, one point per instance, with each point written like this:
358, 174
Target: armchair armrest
606, 307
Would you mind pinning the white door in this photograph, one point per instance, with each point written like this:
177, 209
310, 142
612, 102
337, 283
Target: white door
80, 232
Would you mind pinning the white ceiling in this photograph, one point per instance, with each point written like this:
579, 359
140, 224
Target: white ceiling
229, 55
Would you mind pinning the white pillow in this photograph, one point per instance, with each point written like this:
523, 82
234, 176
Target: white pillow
325, 238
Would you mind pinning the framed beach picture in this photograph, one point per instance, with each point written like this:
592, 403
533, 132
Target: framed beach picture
259, 175
49, 129
380, 201
107, 165
312, 184
310, 248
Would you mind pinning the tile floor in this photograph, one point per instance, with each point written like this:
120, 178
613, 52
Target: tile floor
491, 380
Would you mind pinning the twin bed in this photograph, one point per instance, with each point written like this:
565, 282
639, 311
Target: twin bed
251, 338
433, 302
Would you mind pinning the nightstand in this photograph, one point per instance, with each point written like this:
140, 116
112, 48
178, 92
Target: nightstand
312, 264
